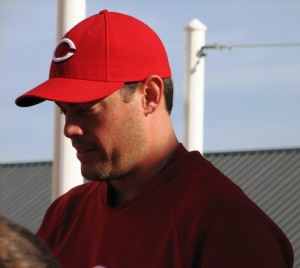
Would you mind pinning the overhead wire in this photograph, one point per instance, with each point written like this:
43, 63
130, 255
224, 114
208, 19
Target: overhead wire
201, 52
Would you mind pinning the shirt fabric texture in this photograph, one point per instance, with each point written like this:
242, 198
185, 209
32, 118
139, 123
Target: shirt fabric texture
189, 215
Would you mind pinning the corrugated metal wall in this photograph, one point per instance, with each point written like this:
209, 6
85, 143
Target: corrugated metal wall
25, 192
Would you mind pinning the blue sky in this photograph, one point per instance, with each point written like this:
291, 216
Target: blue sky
251, 95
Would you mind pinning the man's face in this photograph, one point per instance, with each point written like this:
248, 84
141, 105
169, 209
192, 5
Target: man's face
108, 135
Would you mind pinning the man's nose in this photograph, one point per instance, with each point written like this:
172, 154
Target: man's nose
72, 128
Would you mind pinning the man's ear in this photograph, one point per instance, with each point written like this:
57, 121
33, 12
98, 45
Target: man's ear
153, 89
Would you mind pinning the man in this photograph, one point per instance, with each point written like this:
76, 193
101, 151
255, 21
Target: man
19, 248
150, 202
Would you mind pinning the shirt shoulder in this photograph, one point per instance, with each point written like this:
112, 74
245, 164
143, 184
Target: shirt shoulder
215, 215
65, 208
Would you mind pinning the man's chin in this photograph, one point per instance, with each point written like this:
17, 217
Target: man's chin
92, 173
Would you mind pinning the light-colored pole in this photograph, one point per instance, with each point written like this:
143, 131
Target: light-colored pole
194, 86
66, 167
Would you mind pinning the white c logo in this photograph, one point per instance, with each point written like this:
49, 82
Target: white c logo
68, 55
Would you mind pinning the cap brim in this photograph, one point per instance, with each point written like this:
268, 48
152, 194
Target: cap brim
68, 90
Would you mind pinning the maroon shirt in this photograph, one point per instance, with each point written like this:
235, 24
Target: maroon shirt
189, 215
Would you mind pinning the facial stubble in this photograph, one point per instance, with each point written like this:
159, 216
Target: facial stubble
123, 158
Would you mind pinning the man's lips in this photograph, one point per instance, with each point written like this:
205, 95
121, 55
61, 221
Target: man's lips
86, 154
82, 147
84, 150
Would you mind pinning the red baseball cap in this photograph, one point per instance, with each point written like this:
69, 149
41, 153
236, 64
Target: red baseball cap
97, 56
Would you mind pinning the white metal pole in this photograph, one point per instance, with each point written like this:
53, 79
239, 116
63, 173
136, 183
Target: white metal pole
66, 167
194, 87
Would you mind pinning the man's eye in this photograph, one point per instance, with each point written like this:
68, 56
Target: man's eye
85, 111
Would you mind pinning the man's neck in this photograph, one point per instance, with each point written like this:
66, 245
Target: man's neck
127, 187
